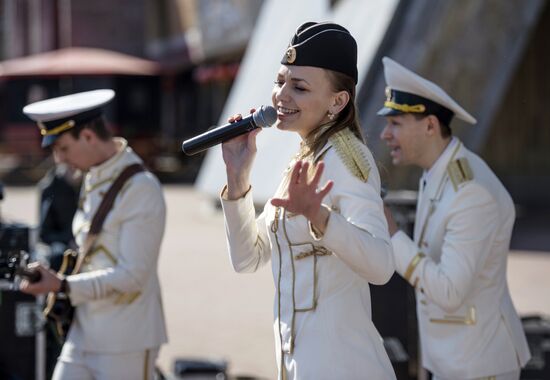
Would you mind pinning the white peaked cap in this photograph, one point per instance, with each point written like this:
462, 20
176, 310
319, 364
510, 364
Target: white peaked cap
57, 115
68, 105
401, 79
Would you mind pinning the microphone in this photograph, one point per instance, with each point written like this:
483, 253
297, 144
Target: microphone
264, 117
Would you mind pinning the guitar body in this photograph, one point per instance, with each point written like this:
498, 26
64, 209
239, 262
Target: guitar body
59, 311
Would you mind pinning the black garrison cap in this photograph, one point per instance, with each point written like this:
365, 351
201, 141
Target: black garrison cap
325, 45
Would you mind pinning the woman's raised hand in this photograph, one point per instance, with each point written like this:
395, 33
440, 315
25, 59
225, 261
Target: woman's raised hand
238, 155
304, 197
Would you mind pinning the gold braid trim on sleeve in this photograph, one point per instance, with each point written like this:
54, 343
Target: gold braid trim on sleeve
412, 266
348, 148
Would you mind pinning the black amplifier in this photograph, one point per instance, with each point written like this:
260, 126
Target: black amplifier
19, 336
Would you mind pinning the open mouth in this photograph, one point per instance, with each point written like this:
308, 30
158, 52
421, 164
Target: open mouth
395, 150
283, 111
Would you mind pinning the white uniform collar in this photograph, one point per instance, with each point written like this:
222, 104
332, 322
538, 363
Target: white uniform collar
124, 157
442, 160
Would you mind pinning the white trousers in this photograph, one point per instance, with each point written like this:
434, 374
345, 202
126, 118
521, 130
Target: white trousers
514, 375
74, 364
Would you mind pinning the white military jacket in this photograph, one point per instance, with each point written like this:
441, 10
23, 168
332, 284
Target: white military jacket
457, 262
323, 327
117, 295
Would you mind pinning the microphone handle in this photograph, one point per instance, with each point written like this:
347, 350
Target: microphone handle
218, 135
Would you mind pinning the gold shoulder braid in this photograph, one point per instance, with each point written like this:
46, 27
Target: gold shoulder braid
349, 150
459, 172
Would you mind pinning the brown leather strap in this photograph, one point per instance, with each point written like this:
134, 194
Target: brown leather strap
102, 211
109, 198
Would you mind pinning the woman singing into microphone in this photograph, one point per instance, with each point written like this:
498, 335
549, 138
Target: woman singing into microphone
324, 231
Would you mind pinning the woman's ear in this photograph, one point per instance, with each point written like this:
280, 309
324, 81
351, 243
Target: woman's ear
340, 101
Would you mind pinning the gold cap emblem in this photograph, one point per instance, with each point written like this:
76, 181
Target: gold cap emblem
290, 55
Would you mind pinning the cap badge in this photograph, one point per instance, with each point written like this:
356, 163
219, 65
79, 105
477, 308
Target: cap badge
290, 55
388, 93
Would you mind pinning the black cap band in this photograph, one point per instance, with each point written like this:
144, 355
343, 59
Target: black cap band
81, 118
400, 102
52, 129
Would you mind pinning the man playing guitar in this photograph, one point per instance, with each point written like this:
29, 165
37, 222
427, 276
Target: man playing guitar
118, 323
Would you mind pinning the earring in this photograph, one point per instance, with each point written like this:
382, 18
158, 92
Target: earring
331, 116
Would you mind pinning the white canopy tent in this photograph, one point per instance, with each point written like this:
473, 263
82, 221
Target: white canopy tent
367, 20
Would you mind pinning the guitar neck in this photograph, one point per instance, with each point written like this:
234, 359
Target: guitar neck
29, 274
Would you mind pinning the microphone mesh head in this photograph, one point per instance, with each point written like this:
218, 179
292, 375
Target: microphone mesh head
265, 116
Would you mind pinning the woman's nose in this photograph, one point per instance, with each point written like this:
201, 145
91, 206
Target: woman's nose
281, 93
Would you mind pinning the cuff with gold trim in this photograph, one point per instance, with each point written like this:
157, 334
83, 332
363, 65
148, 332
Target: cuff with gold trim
223, 194
412, 266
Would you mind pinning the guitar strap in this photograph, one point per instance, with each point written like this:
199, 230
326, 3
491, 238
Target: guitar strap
102, 211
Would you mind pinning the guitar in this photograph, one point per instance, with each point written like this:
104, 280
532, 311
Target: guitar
59, 310
29, 274
13, 263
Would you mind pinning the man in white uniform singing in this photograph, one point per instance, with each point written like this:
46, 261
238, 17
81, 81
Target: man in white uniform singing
468, 326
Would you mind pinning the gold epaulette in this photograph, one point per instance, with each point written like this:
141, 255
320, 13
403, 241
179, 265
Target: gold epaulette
459, 172
348, 148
